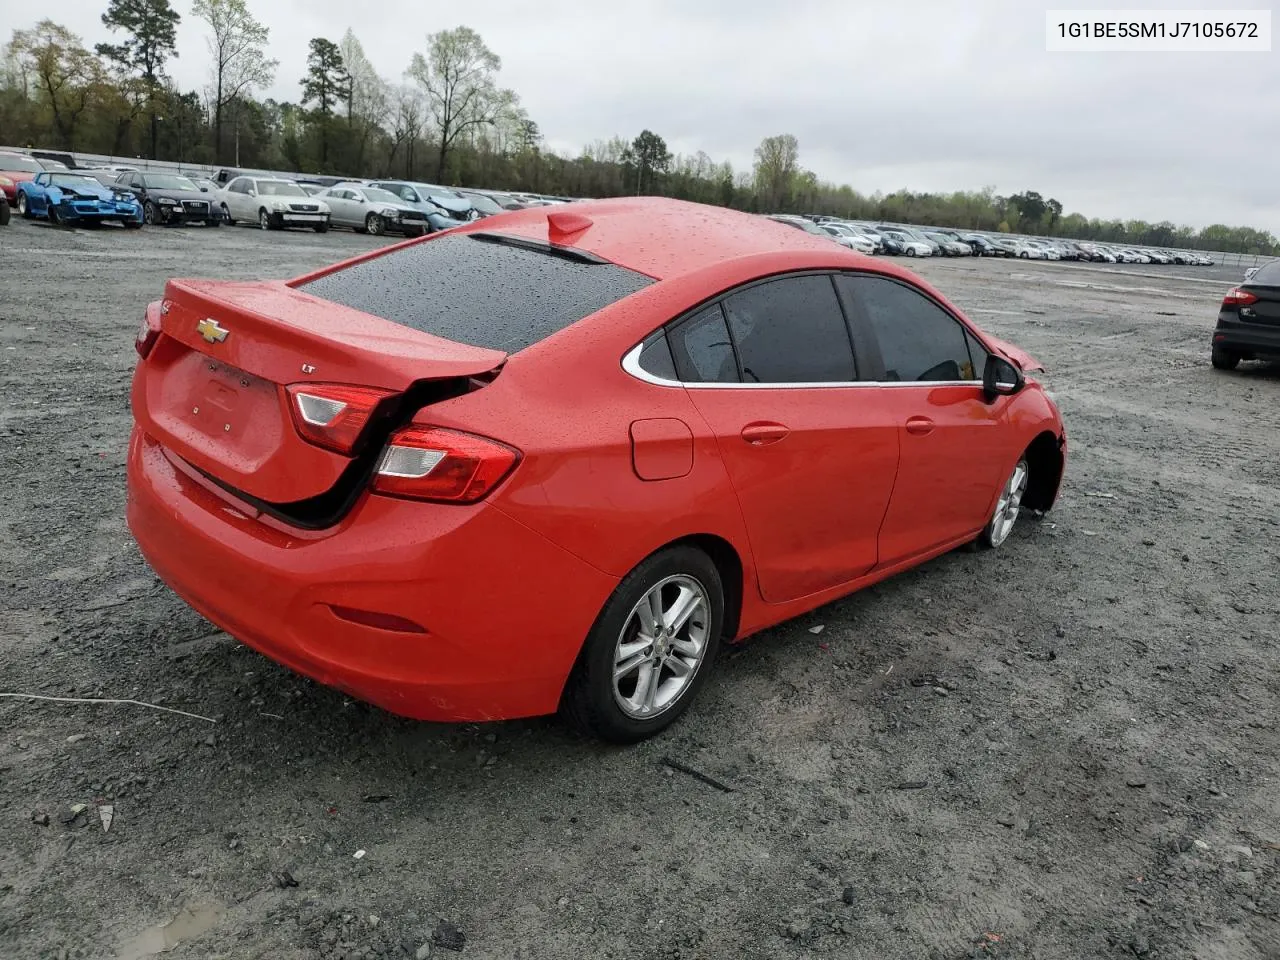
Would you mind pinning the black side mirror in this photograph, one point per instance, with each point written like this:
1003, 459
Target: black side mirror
1000, 378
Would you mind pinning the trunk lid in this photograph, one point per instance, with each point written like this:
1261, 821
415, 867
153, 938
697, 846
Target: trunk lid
1267, 307
213, 388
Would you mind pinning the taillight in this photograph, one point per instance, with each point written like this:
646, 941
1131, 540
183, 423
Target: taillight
148, 331
332, 415
1239, 298
432, 463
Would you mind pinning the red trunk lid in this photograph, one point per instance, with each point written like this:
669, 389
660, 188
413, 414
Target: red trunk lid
212, 389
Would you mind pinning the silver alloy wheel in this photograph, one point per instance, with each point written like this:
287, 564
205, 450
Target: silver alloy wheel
1009, 505
374, 225
22, 204
264, 221
661, 647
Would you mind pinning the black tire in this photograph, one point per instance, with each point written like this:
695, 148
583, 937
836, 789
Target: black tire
264, 219
213, 223
588, 702
321, 228
226, 215
24, 208
374, 225
1224, 359
51, 212
911, 251
5, 213
149, 213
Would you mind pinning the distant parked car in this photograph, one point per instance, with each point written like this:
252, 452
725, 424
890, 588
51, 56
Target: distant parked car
1249, 319
483, 205
72, 199
167, 198
911, 247
980, 245
273, 203
847, 237
505, 200
438, 218
373, 210
15, 168
951, 246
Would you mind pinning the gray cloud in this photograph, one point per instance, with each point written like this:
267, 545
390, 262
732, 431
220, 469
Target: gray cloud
915, 94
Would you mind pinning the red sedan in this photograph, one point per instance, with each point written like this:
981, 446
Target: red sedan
16, 168
551, 459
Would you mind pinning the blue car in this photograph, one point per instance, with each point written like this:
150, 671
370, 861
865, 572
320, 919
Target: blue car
72, 198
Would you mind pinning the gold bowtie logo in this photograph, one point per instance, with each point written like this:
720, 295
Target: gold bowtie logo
211, 330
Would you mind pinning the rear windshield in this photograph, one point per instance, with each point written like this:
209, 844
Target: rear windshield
478, 292
1268, 274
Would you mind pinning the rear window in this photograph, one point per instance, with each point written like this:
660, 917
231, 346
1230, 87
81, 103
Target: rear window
1268, 273
483, 293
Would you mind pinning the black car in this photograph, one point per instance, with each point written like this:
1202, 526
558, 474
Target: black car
981, 246
1249, 320
168, 198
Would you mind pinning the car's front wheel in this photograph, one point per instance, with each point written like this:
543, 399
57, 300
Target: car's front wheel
911, 251
1224, 359
149, 212
51, 211
651, 648
24, 207
321, 228
1008, 507
264, 219
226, 215
374, 225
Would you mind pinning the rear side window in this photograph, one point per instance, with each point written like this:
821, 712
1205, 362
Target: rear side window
791, 330
487, 294
918, 339
702, 349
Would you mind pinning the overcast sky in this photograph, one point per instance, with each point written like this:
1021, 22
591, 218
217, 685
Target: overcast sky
882, 94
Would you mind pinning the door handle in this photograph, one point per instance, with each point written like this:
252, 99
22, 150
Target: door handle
919, 426
759, 434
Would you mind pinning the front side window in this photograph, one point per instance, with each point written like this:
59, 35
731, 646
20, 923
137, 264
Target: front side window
791, 330
919, 341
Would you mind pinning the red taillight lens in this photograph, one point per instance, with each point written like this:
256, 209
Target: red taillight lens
332, 415
148, 331
431, 463
1240, 298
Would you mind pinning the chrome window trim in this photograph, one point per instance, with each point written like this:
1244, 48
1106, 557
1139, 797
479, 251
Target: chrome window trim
631, 364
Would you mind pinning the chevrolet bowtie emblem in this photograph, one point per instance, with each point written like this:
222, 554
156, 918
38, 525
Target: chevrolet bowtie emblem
211, 330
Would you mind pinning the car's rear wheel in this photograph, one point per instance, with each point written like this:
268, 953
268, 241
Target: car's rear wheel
24, 207
650, 650
374, 225
1008, 507
911, 251
1224, 359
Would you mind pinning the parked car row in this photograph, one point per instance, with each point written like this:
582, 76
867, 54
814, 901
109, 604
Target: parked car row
915, 241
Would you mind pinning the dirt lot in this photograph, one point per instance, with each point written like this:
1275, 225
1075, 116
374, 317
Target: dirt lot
1067, 749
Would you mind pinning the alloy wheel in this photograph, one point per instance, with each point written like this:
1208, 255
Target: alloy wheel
263, 220
1009, 505
661, 646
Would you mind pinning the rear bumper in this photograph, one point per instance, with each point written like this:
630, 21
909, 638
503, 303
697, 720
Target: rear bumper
504, 611
1257, 339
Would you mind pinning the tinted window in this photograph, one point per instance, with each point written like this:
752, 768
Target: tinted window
918, 339
791, 331
485, 294
702, 349
1268, 274
655, 358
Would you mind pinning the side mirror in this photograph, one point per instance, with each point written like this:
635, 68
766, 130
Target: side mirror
204, 189
1000, 378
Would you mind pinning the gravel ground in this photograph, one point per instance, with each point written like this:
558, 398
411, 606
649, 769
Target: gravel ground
1066, 749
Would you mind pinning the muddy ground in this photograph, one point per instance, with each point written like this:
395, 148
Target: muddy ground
1067, 749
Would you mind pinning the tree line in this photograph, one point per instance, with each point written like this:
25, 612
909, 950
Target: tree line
446, 118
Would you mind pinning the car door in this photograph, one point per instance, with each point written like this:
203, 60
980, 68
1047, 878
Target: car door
811, 450
342, 206
238, 200
955, 445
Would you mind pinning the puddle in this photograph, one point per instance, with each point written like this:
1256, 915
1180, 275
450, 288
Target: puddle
192, 921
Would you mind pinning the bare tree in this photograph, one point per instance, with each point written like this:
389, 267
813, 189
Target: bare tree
458, 77
239, 62
407, 118
777, 163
